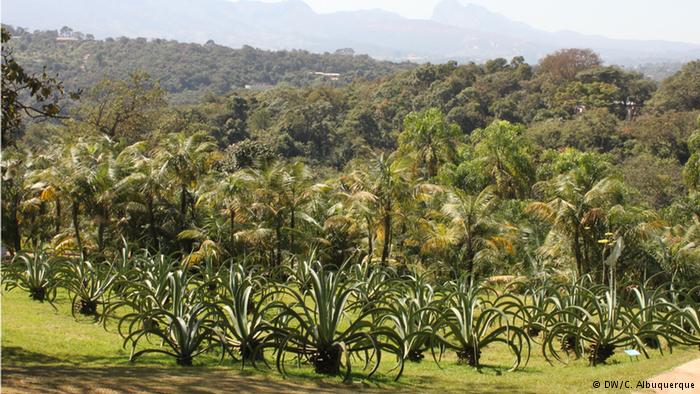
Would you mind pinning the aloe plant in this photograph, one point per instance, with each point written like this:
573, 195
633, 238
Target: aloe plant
411, 318
324, 326
35, 273
653, 311
529, 311
562, 312
145, 287
607, 325
186, 328
470, 321
243, 307
88, 283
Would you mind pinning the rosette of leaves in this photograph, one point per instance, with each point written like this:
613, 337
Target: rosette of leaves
88, 283
470, 321
186, 328
326, 326
35, 273
243, 308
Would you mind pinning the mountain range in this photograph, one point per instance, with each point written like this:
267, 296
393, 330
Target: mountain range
456, 31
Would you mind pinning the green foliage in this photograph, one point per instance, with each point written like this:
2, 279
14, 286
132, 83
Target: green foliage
691, 172
20, 85
324, 326
473, 319
35, 273
89, 284
189, 71
681, 91
502, 155
429, 137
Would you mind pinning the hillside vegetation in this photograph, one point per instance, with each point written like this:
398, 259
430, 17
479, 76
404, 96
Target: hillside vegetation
187, 71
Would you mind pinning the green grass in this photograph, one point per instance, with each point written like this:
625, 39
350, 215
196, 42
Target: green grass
35, 336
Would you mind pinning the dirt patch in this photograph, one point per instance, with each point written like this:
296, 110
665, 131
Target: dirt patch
686, 373
68, 379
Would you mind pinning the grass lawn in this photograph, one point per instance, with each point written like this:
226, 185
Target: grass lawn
45, 350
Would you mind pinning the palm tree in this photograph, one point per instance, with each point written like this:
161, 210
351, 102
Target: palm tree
359, 203
15, 190
430, 137
390, 185
187, 157
475, 231
297, 192
503, 154
228, 192
267, 185
144, 181
88, 182
577, 213
50, 181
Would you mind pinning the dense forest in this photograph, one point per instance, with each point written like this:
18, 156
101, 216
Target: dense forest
187, 71
500, 167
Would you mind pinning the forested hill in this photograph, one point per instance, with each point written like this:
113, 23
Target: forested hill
186, 70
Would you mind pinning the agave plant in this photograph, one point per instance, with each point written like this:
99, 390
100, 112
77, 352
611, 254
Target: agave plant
562, 301
607, 325
88, 283
374, 282
243, 310
324, 326
186, 328
531, 310
209, 274
470, 321
411, 318
654, 311
689, 329
35, 273
147, 286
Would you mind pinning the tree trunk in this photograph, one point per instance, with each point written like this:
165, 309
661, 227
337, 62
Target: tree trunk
152, 223
577, 252
292, 224
232, 214
76, 225
102, 226
183, 204
370, 237
58, 216
16, 226
32, 229
278, 235
387, 232
470, 259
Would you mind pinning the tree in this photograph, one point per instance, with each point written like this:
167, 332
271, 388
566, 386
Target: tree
390, 185
356, 200
691, 172
144, 183
266, 185
429, 137
502, 154
126, 110
681, 91
477, 234
575, 202
17, 86
87, 165
564, 64
187, 157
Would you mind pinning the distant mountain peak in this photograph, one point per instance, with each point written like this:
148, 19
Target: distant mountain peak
458, 30
463, 14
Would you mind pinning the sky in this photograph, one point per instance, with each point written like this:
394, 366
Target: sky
673, 20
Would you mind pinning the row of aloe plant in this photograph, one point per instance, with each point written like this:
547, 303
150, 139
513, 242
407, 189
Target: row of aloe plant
335, 317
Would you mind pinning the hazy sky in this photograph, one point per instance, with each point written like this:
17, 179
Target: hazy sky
675, 20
